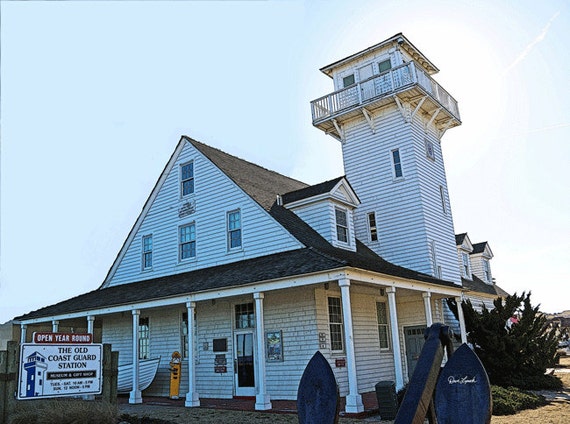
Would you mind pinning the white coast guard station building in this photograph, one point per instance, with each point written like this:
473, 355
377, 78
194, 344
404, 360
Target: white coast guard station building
248, 273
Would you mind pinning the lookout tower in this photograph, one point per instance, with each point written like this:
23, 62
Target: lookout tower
390, 115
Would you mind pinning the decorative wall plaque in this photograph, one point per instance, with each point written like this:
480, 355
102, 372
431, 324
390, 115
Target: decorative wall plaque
187, 208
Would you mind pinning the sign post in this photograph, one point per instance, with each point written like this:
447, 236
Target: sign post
60, 364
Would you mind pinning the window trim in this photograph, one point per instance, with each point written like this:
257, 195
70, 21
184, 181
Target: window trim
189, 179
191, 241
339, 326
397, 166
229, 231
338, 226
146, 254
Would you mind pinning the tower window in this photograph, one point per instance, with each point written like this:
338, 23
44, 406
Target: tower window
430, 153
384, 66
442, 197
348, 80
372, 226
341, 225
397, 162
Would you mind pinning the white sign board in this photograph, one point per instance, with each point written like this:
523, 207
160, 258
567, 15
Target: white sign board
54, 370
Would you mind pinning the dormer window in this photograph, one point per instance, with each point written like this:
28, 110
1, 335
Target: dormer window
487, 271
341, 225
465, 269
187, 178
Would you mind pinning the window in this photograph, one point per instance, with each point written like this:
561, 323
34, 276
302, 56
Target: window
144, 338
348, 80
372, 227
244, 316
187, 241
382, 314
397, 163
465, 265
147, 252
430, 153
335, 323
436, 268
234, 229
442, 198
187, 178
487, 270
384, 66
184, 332
341, 225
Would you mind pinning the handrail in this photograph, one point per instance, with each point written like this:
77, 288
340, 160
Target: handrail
379, 86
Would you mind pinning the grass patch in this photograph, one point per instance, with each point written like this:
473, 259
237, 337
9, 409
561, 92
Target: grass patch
510, 400
63, 411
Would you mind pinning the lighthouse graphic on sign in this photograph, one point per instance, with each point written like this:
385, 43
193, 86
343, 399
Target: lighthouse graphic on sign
35, 367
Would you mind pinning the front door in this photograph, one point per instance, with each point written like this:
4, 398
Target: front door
244, 364
414, 339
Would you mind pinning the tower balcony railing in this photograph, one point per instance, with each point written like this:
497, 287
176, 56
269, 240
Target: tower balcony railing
393, 81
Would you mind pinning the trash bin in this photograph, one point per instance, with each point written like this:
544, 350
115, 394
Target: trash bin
387, 399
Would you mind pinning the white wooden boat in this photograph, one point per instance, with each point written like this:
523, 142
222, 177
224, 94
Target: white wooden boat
147, 372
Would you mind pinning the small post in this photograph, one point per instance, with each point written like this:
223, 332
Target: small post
114, 378
3, 378
107, 375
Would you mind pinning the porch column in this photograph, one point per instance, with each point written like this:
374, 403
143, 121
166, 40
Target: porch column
135, 395
54, 326
192, 398
462, 329
395, 333
262, 398
427, 306
90, 321
353, 399
23, 328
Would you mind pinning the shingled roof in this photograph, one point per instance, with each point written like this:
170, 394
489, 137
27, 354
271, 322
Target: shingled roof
478, 285
479, 247
263, 186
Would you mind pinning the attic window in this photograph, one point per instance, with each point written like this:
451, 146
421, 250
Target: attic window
341, 225
187, 178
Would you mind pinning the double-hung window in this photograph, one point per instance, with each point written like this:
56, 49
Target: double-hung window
335, 324
341, 225
187, 241
144, 338
234, 229
465, 268
187, 178
147, 252
397, 163
383, 334
487, 271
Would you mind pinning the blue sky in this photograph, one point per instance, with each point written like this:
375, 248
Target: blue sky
95, 96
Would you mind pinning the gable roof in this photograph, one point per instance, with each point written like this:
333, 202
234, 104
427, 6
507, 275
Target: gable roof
262, 185
479, 247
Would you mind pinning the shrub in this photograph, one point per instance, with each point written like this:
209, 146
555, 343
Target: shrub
517, 355
508, 401
63, 411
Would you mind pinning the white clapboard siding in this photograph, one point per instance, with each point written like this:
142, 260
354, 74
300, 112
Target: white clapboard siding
322, 218
215, 195
409, 212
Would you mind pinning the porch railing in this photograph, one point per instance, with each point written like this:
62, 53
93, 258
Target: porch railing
379, 86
